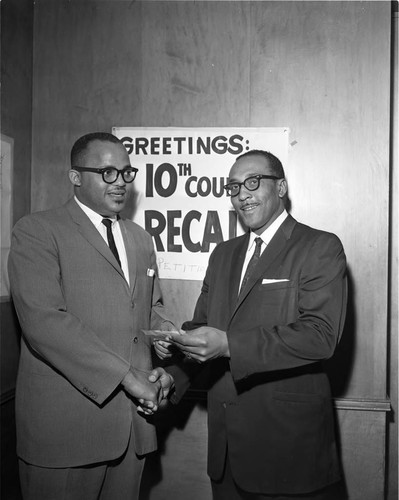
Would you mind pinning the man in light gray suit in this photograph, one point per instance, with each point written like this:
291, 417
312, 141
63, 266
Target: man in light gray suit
84, 285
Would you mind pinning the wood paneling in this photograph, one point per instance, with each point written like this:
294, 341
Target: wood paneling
320, 68
16, 122
364, 460
87, 77
168, 472
392, 493
316, 67
16, 94
196, 66
177, 469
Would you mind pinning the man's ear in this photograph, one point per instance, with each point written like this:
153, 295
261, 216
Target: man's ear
282, 188
74, 177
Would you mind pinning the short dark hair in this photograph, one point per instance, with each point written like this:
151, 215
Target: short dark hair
80, 146
274, 163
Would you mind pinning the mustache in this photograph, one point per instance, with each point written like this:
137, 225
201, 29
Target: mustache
117, 191
244, 205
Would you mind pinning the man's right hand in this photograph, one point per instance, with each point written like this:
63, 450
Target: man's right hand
149, 394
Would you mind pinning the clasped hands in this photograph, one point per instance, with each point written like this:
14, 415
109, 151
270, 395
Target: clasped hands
202, 344
150, 389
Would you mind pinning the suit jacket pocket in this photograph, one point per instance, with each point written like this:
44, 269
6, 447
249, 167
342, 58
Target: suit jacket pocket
279, 285
274, 303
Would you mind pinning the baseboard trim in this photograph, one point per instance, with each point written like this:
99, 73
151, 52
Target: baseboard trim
359, 404
362, 404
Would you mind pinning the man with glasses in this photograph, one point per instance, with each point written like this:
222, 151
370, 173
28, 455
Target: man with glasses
84, 285
271, 309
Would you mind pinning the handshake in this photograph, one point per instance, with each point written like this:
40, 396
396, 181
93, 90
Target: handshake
149, 389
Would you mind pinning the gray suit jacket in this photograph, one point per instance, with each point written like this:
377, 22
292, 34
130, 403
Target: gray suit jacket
81, 324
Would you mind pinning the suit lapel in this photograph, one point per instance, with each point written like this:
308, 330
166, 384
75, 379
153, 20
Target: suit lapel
268, 257
90, 233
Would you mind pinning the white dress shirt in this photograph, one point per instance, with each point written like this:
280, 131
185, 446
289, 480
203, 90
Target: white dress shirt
266, 237
96, 219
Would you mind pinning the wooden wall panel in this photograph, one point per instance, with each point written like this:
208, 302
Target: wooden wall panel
316, 67
392, 493
196, 66
364, 460
16, 122
172, 473
87, 77
16, 94
320, 68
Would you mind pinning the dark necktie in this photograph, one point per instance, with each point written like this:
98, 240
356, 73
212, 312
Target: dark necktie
111, 242
252, 263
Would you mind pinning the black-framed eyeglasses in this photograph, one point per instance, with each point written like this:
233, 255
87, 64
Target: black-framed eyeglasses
111, 174
250, 183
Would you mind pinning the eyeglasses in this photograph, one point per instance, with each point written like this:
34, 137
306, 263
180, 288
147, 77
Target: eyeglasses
111, 174
250, 183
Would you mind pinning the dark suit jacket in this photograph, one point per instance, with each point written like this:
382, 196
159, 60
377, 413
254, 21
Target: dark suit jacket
81, 324
269, 405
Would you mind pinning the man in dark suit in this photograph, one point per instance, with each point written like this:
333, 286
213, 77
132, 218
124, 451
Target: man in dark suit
270, 415
84, 285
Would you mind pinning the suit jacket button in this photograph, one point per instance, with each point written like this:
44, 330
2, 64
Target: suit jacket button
135, 340
132, 305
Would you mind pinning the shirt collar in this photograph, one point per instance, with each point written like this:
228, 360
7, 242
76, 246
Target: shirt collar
268, 233
92, 215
